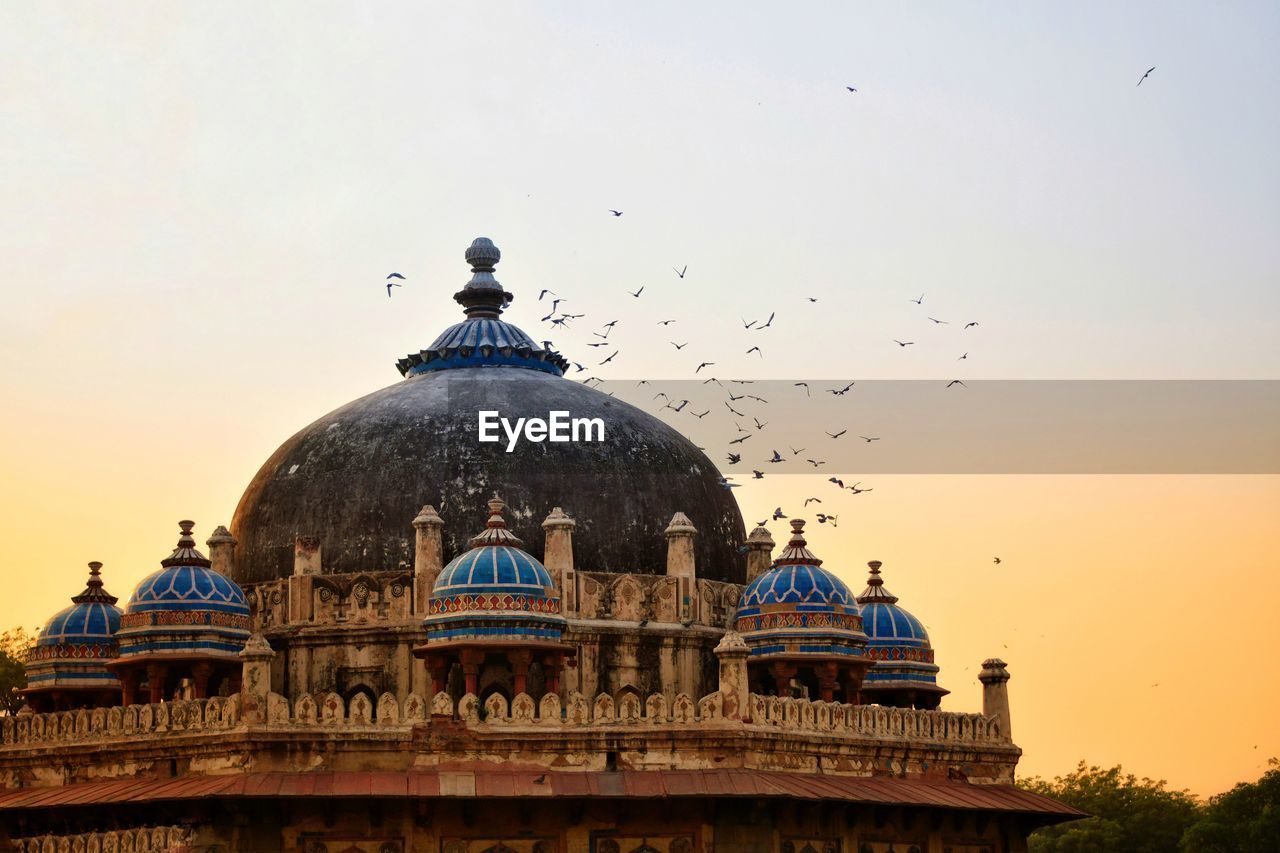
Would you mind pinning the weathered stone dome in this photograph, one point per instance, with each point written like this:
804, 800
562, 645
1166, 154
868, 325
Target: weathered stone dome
356, 478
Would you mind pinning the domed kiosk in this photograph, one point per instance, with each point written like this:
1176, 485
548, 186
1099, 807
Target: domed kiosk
352, 478
904, 674
67, 667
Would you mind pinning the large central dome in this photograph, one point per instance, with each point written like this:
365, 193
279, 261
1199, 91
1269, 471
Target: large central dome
356, 478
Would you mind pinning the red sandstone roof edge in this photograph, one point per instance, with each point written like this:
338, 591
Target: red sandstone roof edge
871, 790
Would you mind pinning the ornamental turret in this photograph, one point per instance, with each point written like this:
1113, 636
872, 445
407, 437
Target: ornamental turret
904, 674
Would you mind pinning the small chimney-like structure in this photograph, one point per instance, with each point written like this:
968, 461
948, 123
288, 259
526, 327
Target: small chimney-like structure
759, 553
222, 550
557, 556
680, 559
428, 555
255, 678
995, 694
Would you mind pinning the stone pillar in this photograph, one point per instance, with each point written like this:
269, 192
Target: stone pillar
200, 675
156, 675
306, 555
255, 678
222, 549
472, 660
828, 674
734, 690
995, 694
680, 564
557, 556
519, 661
428, 556
129, 679
759, 553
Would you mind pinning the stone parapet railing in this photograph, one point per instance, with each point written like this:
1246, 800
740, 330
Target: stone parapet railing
495, 713
149, 838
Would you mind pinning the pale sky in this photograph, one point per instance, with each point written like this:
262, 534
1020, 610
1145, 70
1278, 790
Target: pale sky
200, 203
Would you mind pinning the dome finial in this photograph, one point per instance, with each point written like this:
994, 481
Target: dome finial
483, 295
875, 590
186, 554
93, 590
797, 550
495, 530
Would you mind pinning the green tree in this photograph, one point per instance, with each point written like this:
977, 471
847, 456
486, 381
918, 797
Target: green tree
1129, 815
1245, 819
15, 644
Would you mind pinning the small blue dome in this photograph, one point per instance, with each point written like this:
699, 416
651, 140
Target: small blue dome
798, 610
899, 644
493, 568
495, 591
187, 588
89, 623
796, 584
186, 609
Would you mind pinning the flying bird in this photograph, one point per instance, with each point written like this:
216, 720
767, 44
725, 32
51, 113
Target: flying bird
917, 301
745, 324
679, 346
610, 358
390, 285
732, 409
795, 452
681, 272
704, 364
665, 322
869, 438
755, 350
724, 481
777, 457
963, 357
395, 275
840, 392
544, 293
811, 298
996, 561
854, 488
903, 343
1145, 76
806, 387
638, 292
974, 323
759, 425
741, 439
815, 463
768, 323
956, 382
808, 501
778, 513
851, 89
735, 458
837, 434
758, 475
837, 481
616, 212
823, 518
940, 322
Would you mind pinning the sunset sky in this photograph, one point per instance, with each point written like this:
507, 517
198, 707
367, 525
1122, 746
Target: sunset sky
201, 202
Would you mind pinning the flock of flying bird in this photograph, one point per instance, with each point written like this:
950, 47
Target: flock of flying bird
559, 319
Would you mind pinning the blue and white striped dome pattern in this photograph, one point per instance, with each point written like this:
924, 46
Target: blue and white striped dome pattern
896, 640
185, 610
74, 645
796, 584
188, 588
90, 623
495, 591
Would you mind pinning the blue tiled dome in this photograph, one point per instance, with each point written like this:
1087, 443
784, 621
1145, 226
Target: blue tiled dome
897, 641
74, 645
495, 591
798, 610
183, 587
185, 610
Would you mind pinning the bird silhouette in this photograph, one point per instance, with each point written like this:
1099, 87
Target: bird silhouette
681, 272
795, 452
837, 481
971, 323
806, 387
741, 439
665, 322
777, 457
940, 322
638, 292
699, 415
759, 425
823, 518
704, 364
851, 89
963, 357
811, 298
395, 275
956, 382
903, 343
679, 346
616, 212
808, 501
854, 488
768, 323
869, 438
544, 293
840, 392
755, 350
735, 458
390, 285
758, 475
745, 324
815, 463
732, 409
1145, 76
837, 434
918, 301
996, 561
724, 481
610, 358
778, 514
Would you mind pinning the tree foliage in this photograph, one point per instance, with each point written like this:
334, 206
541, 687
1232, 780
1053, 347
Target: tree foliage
1245, 819
1129, 815
15, 644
